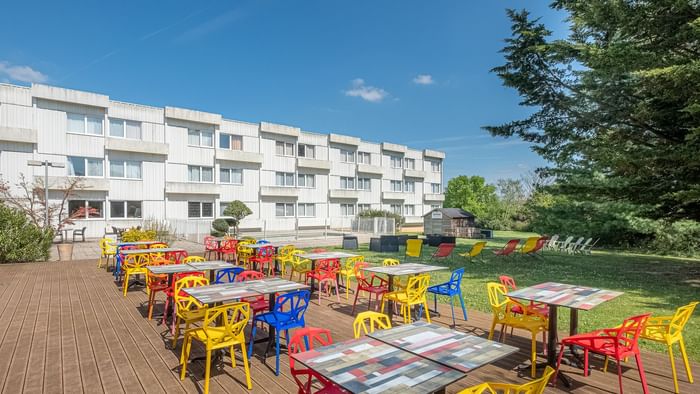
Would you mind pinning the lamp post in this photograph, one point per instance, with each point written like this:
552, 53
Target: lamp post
46, 164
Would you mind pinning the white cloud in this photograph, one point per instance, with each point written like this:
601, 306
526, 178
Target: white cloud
423, 79
21, 73
366, 92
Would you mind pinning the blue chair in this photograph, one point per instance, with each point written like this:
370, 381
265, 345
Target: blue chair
228, 275
287, 313
451, 289
263, 242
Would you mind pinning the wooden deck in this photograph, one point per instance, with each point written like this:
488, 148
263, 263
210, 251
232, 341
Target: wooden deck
65, 327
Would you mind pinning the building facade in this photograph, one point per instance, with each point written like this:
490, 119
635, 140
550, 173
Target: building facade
139, 162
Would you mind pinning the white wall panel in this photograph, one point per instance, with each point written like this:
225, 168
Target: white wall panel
85, 145
12, 94
17, 116
51, 131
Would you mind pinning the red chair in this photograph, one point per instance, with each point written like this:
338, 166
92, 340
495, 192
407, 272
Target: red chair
540, 308
155, 284
264, 255
305, 339
319, 250
229, 250
508, 249
443, 251
259, 303
617, 343
368, 285
211, 246
170, 293
325, 273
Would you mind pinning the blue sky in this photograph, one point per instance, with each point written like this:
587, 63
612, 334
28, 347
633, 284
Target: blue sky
411, 72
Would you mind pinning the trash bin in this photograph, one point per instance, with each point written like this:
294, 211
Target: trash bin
350, 242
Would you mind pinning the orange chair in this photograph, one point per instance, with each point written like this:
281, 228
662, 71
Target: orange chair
155, 283
508, 249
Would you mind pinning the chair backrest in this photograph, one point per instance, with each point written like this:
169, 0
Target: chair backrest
285, 251
180, 275
497, 297
578, 242
308, 338
553, 240
265, 252
359, 272
628, 333
567, 241
194, 259
106, 246
243, 248
350, 262
210, 243
366, 322
228, 245
508, 282
228, 275
510, 246
293, 304
159, 245
444, 250
249, 275
477, 248
417, 286
529, 244
588, 242
231, 317
456, 279
536, 386
183, 300
541, 242
263, 241
414, 247
680, 318
390, 262
132, 261
328, 266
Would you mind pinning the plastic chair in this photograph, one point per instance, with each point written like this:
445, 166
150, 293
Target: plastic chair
368, 285
397, 283
300, 265
303, 340
451, 289
170, 293
619, 343
413, 294
187, 308
222, 328
194, 259
669, 330
508, 249
244, 253
502, 306
257, 303
263, 256
211, 245
134, 264
228, 249
284, 257
155, 283
529, 245
443, 251
319, 250
263, 241
475, 251
414, 247
325, 273
366, 322
227, 275
288, 313
118, 273
107, 249
536, 386
509, 283
348, 271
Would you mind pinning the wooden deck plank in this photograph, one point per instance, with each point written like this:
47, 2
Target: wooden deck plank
37, 352
53, 371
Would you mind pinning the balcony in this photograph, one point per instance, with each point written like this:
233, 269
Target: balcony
69, 96
239, 156
324, 165
344, 194
414, 173
278, 191
279, 129
15, 134
388, 146
393, 196
191, 188
139, 146
88, 184
434, 197
434, 154
192, 115
369, 169
343, 139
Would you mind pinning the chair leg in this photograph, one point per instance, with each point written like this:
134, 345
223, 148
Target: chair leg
252, 339
207, 372
461, 300
355, 303
277, 352
337, 291
533, 356
452, 305
493, 327
619, 374
673, 367
556, 372
685, 360
125, 282
642, 375
184, 357
245, 366
427, 312
585, 363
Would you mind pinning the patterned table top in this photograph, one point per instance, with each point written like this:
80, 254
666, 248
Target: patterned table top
231, 291
138, 243
170, 268
367, 365
274, 285
328, 255
405, 269
569, 296
273, 244
158, 250
452, 348
210, 265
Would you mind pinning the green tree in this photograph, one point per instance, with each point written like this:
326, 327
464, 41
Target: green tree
472, 194
20, 239
615, 105
237, 211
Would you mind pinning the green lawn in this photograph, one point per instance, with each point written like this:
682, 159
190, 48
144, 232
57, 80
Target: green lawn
653, 284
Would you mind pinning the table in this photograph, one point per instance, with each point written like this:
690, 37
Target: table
211, 266
178, 253
400, 270
568, 296
64, 234
321, 256
457, 350
368, 365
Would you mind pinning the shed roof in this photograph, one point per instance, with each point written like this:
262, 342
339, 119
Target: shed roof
452, 213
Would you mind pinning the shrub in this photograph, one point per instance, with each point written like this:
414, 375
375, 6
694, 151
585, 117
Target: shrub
219, 227
236, 210
135, 235
21, 240
378, 213
163, 229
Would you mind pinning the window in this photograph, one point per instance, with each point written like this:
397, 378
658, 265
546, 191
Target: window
409, 164
409, 186
197, 209
434, 206
396, 161
231, 175
396, 186
284, 148
86, 209
308, 151
203, 138
232, 142
284, 209
200, 174
364, 158
409, 210
85, 166
347, 182
124, 129
125, 169
306, 180
306, 210
363, 207
125, 209
84, 124
435, 166
347, 209
363, 184
284, 179
436, 188
347, 156
395, 208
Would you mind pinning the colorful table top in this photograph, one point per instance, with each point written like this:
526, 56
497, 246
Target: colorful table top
120, 244
274, 285
569, 296
170, 268
210, 265
273, 244
157, 250
404, 269
231, 291
328, 255
367, 365
452, 348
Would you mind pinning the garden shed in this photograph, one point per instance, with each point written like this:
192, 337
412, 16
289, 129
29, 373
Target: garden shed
453, 222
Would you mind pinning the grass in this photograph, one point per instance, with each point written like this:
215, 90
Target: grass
651, 283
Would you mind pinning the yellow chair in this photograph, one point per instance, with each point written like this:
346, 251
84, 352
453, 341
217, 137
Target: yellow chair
133, 264
244, 253
222, 328
501, 306
529, 245
284, 257
348, 271
107, 249
414, 247
300, 265
413, 294
194, 259
475, 251
187, 308
536, 386
366, 322
397, 283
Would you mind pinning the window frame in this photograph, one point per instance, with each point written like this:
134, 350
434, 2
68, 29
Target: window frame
413, 210
189, 166
433, 187
285, 177
407, 160
396, 158
230, 138
306, 177
345, 153
434, 164
85, 164
124, 162
393, 208
405, 186
285, 205
363, 207
199, 138
306, 148
201, 209
124, 129
285, 145
347, 180
363, 180
306, 206
125, 206
86, 205
364, 154
346, 206
85, 118
393, 183
230, 171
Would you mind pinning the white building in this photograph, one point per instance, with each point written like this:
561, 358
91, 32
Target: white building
170, 163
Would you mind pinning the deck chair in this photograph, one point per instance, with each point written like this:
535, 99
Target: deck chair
475, 251
528, 246
565, 244
508, 249
414, 247
587, 249
571, 249
583, 245
443, 251
552, 244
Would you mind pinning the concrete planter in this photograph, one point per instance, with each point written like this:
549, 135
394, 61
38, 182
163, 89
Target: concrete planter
65, 251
